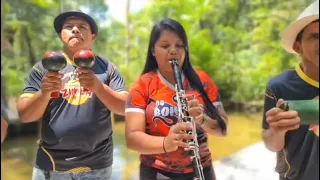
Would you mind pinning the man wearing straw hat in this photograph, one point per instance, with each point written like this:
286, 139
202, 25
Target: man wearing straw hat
297, 146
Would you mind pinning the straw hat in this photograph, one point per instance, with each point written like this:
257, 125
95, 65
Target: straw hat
289, 36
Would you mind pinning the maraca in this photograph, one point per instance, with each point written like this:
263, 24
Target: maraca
54, 62
84, 59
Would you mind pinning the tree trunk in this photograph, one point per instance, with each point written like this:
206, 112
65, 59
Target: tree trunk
3, 87
128, 32
32, 57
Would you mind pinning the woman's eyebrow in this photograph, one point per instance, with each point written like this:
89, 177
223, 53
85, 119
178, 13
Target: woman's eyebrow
165, 41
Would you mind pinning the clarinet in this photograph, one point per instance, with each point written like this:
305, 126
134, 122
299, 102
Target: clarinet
183, 115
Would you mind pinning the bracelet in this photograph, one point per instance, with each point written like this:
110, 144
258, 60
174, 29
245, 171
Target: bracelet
164, 149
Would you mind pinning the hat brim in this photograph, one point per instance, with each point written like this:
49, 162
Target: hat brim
59, 20
290, 34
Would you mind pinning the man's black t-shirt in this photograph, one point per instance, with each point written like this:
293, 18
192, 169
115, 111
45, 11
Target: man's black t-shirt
76, 129
299, 160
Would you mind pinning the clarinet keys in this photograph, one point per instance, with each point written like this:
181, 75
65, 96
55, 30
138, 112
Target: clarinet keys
183, 115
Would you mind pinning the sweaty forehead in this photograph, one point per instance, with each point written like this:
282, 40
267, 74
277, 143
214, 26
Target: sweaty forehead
312, 28
170, 36
74, 20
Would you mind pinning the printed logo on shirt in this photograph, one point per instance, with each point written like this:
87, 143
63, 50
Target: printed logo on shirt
165, 113
72, 92
174, 99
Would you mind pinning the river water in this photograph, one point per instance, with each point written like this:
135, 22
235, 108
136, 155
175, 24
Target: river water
18, 154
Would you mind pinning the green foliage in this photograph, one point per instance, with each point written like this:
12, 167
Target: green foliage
237, 42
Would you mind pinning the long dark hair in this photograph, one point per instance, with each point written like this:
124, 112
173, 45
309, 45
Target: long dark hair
188, 71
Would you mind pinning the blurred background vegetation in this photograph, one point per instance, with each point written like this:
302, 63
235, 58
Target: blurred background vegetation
237, 42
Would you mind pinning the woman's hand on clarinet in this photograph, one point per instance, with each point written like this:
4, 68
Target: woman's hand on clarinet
195, 110
177, 136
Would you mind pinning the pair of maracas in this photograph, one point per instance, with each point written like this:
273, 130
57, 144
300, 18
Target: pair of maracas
54, 62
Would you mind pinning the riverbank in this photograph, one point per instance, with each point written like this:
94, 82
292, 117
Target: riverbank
17, 154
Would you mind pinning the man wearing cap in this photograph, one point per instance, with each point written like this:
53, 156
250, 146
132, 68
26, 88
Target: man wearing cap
297, 146
76, 130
